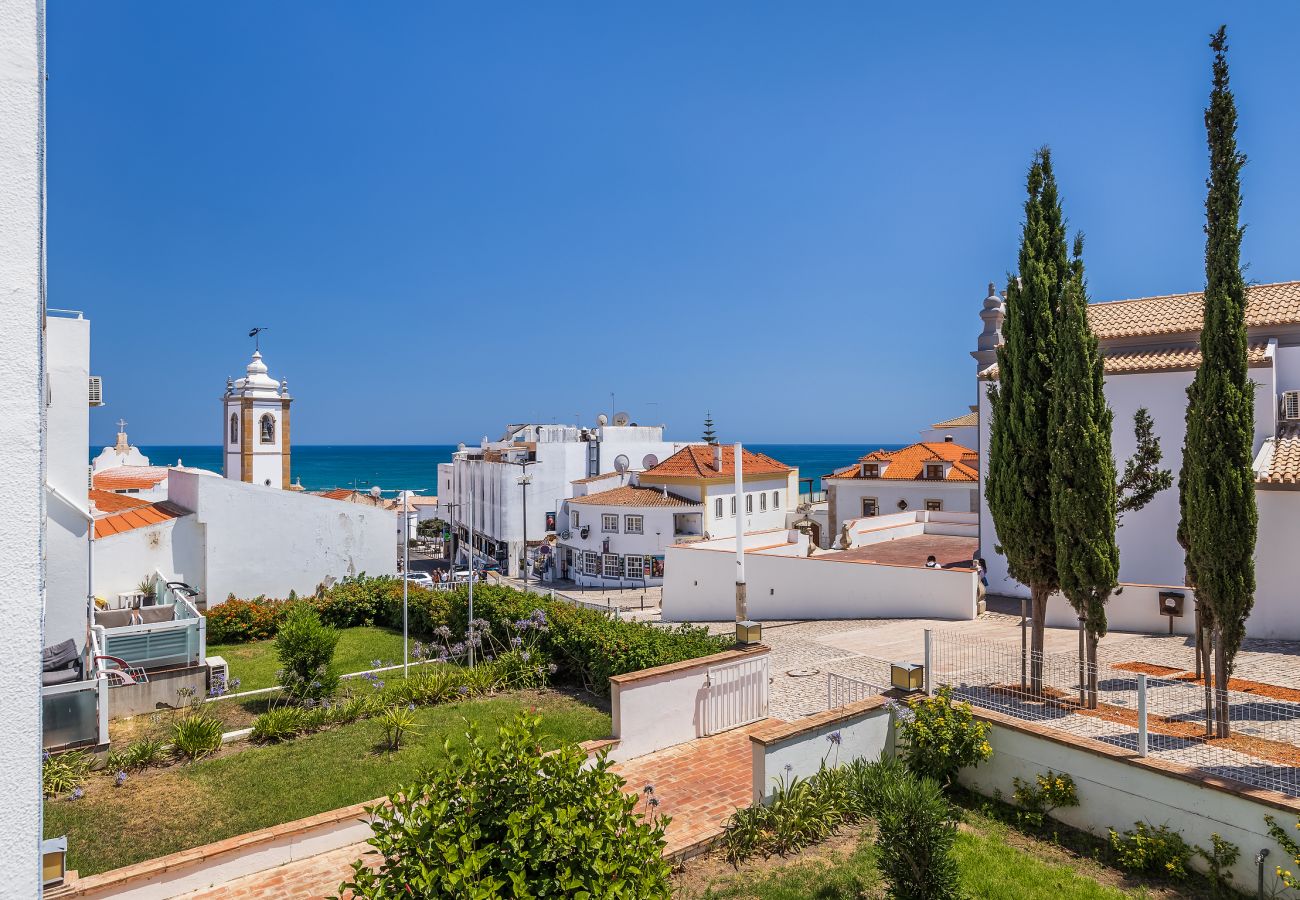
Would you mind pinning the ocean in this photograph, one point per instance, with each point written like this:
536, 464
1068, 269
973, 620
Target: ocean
414, 467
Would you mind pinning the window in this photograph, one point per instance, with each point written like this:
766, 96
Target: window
574, 521
733, 506
934, 471
633, 524
870, 507
634, 566
234, 428
934, 506
749, 504
717, 508
613, 566
776, 499
609, 523
590, 563
267, 425
870, 470
762, 502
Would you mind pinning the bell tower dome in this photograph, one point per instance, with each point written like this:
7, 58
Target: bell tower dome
255, 427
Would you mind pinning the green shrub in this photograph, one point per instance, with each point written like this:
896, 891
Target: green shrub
236, 621
915, 831
65, 772
358, 600
1154, 849
1219, 860
305, 648
279, 724
941, 737
397, 721
504, 818
1287, 842
195, 735
144, 753
1049, 791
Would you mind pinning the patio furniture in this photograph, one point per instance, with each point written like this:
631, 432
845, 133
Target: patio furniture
60, 663
121, 669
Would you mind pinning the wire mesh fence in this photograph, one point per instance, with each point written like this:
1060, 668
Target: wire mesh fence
1148, 709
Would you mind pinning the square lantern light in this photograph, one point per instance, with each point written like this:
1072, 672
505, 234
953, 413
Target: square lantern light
54, 861
748, 632
907, 676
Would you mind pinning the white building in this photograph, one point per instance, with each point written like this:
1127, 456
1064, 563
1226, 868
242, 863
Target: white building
963, 430
1151, 354
256, 427
940, 476
549, 458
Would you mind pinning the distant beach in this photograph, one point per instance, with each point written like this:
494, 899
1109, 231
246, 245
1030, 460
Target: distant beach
414, 466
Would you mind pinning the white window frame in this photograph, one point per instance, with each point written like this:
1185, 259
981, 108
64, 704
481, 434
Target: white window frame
749, 504
633, 524
575, 521
609, 523
733, 506
776, 499
937, 507
717, 508
762, 502
634, 565
590, 563
875, 507
611, 566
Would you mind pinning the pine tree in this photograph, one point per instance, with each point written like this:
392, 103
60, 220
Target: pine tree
709, 436
1083, 472
1019, 475
1217, 484
1143, 478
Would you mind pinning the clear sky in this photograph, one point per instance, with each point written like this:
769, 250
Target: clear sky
457, 215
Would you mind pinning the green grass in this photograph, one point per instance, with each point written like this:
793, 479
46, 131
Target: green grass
255, 663
163, 811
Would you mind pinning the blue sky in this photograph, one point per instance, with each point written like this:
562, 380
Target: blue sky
452, 216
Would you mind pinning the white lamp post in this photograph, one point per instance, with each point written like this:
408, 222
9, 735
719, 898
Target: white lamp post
377, 492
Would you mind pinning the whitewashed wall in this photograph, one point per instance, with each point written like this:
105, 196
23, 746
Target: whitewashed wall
966, 435
67, 554
174, 548
864, 730
259, 540
1137, 609
1277, 612
699, 586
956, 496
22, 420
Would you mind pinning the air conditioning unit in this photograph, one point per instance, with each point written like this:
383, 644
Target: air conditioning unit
96, 391
218, 672
1291, 405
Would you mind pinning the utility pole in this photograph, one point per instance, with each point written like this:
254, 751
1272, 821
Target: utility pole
524, 481
742, 606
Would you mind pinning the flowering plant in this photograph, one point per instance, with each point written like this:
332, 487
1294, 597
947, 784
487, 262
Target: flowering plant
942, 737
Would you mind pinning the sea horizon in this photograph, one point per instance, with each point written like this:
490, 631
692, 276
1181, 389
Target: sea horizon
414, 466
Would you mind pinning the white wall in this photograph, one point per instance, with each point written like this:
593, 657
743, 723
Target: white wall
173, 547
22, 420
68, 431
1276, 613
966, 435
260, 540
865, 731
700, 586
656, 536
1137, 609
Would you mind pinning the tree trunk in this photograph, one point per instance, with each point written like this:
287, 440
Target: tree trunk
1092, 671
1221, 689
1204, 644
1038, 596
1083, 664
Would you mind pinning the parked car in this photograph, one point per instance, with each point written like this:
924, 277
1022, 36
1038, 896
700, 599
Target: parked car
420, 578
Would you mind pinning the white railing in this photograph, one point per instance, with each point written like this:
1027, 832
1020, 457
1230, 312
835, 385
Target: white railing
737, 694
842, 690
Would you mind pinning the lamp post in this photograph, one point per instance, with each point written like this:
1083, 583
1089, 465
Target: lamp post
524, 481
377, 492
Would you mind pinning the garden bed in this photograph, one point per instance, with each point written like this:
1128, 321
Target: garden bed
360, 648
159, 811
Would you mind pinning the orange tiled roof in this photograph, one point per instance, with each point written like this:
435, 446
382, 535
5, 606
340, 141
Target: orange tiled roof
337, 494
633, 495
1266, 304
1159, 359
1284, 466
107, 502
590, 478
143, 517
908, 464
969, 420
121, 478
696, 461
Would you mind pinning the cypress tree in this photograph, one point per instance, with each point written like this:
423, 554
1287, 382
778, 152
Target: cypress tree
1083, 496
709, 436
1019, 486
1217, 485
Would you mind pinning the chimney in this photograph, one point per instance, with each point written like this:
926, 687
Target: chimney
947, 438
717, 457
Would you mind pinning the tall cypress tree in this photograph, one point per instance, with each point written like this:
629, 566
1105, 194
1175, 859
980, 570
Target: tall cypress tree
1083, 471
1018, 487
1217, 486
709, 436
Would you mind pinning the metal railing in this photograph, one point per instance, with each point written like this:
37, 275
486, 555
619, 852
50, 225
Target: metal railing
841, 690
1138, 706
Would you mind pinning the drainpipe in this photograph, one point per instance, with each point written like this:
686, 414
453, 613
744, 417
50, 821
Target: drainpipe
1259, 865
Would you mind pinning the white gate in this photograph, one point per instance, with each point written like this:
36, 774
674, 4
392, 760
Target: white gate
736, 694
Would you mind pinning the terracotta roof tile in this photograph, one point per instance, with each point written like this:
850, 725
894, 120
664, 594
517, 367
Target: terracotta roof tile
1160, 359
590, 478
969, 420
107, 502
633, 495
125, 477
143, 517
908, 464
1266, 304
1284, 464
696, 461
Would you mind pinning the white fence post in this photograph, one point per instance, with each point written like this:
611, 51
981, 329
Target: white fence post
929, 661
1142, 715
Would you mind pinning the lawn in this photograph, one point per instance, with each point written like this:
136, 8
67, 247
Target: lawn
255, 663
165, 810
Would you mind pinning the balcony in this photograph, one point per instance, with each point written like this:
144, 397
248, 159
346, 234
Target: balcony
170, 633
688, 527
75, 713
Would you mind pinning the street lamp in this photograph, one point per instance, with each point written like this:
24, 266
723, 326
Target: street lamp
524, 481
377, 492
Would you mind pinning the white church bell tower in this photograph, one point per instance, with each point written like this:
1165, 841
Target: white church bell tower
255, 427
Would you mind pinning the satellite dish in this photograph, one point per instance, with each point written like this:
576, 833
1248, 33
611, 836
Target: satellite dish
375, 492
602, 419
621, 464
621, 419
650, 461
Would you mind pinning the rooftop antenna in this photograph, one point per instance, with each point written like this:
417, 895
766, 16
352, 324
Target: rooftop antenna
255, 334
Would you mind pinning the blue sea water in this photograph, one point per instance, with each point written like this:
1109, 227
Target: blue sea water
411, 466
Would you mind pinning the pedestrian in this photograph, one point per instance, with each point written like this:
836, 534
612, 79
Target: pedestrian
931, 562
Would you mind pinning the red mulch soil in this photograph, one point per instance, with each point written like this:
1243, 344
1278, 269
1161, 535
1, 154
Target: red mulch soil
1258, 688
1148, 668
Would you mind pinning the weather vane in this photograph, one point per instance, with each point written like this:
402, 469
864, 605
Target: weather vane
257, 340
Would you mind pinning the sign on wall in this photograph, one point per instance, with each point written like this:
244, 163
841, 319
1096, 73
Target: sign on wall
550, 521
654, 567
